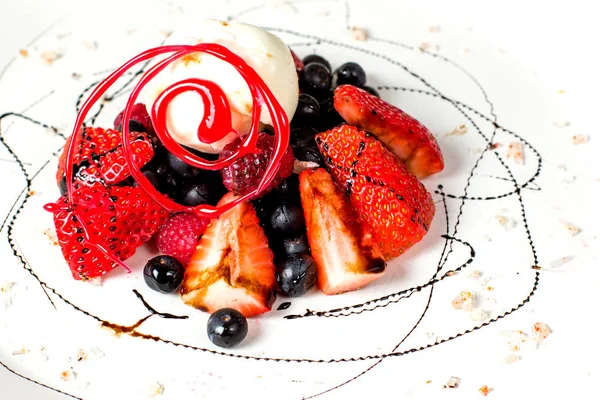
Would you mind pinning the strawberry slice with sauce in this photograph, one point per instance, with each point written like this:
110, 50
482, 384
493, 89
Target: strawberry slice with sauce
100, 155
232, 266
406, 137
346, 255
119, 218
389, 199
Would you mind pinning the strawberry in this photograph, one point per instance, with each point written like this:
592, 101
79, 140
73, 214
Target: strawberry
389, 199
406, 137
347, 258
178, 237
119, 218
100, 155
232, 266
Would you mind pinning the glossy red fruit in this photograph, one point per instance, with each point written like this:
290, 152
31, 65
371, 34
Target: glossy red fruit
406, 137
244, 175
119, 218
389, 199
179, 236
100, 155
139, 114
346, 255
232, 266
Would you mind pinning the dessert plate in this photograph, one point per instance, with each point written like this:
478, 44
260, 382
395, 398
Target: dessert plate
484, 305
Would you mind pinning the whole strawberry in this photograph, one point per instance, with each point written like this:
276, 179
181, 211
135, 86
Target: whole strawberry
389, 199
244, 175
179, 236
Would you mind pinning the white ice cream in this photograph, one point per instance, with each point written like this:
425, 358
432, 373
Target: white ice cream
263, 51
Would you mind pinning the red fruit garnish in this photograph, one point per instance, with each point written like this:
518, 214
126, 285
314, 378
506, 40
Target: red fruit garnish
118, 219
389, 199
101, 153
179, 236
347, 258
139, 114
406, 137
244, 175
232, 266
298, 62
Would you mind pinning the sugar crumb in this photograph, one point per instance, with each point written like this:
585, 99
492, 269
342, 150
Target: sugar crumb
6, 286
452, 383
572, 229
24, 53
358, 33
484, 390
540, 331
49, 57
67, 375
155, 389
51, 235
580, 139
458, 131
515, 153
425, 46
464, 301
20, 352
505, 222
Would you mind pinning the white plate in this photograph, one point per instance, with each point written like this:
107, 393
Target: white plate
494, 70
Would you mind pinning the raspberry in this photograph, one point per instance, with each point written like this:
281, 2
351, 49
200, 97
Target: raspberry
244, 175
178, 237
140, 120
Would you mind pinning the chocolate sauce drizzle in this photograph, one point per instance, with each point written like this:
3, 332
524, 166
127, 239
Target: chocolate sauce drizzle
451, 236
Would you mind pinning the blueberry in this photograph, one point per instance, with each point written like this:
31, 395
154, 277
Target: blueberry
315, 78
350, 74
303, 136
297, 245
199, 193
316, 58
227, 327
307, 110
181, 168
371, 90
163, 274
296, 275
287, 220
288, 191
309, 153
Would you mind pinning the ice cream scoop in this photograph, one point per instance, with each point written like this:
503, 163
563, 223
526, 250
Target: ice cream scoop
263, 51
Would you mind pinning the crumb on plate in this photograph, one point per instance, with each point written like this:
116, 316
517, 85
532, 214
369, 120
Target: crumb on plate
580, 139
464, 301
452, 383
458, 131
484, 390
358, 33
515, 153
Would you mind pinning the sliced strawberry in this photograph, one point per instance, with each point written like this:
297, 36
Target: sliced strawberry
118, 218
100, 155
406, 137
389, 199
346, 256
232, 266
